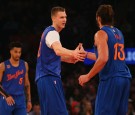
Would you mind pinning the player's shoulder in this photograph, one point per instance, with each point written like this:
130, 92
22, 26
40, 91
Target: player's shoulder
24, 64
53, 32
23, 61
2, 66
52, 35
118, 30
101, 34
48, 29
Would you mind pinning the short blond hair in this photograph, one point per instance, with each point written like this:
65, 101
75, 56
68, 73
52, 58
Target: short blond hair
57, 9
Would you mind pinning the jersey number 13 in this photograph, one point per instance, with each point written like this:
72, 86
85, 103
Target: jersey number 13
119, 52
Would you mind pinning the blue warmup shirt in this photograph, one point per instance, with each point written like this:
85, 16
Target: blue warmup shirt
48, 63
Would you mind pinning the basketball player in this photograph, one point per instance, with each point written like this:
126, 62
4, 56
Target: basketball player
48, 67
13, 79
113, 90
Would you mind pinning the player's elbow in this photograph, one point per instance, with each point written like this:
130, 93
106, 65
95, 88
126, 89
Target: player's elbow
58, 49
104, 59
58, 52
27, 85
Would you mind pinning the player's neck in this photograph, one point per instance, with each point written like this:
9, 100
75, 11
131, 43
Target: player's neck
106, 25
57, 28
13, 62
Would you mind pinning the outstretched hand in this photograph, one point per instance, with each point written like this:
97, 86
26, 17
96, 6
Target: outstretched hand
80, 53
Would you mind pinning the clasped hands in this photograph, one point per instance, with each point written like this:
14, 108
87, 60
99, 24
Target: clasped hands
79, 53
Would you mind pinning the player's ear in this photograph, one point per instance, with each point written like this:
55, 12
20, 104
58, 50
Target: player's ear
98, 19
10, 51
53, 18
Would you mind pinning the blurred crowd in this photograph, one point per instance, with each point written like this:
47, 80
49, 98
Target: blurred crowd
25, 20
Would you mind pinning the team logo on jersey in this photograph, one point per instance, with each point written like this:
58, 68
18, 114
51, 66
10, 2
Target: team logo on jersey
113, 30
14, 76
8, 66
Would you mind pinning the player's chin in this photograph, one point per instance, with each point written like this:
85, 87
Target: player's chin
17, 59
63, 26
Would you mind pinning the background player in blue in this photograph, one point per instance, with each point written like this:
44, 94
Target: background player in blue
13, 79
114, 75
48, 67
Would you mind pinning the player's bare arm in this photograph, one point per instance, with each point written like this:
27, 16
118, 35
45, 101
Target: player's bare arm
68, 59
91, 56
102, 47
10, 101
27, 88
60, 51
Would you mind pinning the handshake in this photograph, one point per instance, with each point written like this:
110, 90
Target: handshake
79, 54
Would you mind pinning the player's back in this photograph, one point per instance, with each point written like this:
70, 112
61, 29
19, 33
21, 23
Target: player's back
115, 67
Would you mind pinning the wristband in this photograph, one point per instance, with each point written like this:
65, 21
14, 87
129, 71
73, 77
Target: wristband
2, 92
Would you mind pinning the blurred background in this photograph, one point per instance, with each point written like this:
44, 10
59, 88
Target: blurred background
25, 20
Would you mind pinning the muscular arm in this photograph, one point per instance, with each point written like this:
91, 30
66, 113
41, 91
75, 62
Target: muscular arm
27, 84
60, 51
2, 69
68, 59
102, 47
69, 56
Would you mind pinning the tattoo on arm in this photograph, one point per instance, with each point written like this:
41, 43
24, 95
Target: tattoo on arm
27, 93
27, 85
2, 92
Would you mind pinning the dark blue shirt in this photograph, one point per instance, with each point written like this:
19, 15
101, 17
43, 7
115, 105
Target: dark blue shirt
13, 78
115, 67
